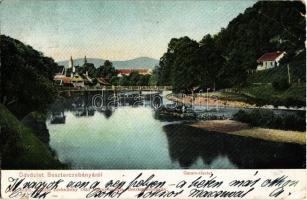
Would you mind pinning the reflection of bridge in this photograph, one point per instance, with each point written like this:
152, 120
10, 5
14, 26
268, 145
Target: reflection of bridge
118, 88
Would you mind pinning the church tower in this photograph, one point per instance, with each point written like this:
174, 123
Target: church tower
71, 62
85, 60
71, 65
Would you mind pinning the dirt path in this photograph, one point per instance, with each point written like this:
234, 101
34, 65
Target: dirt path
241, 129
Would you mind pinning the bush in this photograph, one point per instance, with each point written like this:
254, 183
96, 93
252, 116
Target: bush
20, 148
281, 84
11, 146
255, 117
267, 119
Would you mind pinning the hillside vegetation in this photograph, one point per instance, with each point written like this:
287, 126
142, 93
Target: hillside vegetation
26, 78
26, 85
267, 118
20, 148
225, 60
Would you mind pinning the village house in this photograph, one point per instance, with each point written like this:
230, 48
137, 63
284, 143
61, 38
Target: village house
144, 71
87, 79
123, 72
62, 79
127, 72
77, 81
74, 79
101, 81
270, 60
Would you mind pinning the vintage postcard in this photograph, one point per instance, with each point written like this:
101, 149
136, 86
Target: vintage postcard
153, 99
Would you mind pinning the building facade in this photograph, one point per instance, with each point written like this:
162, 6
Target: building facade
270, 60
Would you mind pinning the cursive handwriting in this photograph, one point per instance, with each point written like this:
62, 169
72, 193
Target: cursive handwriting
150, 186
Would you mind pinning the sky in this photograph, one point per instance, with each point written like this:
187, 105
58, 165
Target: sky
114, 30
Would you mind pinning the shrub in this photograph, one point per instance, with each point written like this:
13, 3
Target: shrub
281, 84
268, 119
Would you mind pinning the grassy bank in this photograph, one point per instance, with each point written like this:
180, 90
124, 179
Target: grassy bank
21, 149
272, 86
244, 130
267, 119
266, 95
249, 97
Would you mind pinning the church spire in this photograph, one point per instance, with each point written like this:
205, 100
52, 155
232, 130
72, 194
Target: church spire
71, 65
71, 62
85, 60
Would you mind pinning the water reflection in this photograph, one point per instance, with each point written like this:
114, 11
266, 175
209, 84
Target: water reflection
136, 138
85, 105
57, 117
187, 144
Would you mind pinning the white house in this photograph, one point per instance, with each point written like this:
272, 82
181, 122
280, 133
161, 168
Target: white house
270, 60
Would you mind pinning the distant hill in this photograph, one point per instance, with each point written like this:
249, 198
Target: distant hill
141, 62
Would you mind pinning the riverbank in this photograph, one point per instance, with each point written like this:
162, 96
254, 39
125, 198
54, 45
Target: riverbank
21, 148
228, 99
210, 101
244, 130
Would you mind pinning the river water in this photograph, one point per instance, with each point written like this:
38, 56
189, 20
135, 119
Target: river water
136, 138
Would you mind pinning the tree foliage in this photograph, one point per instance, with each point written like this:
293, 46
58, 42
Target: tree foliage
134, 79
87, 68
225, 59
106, 70
180, 64
26, 77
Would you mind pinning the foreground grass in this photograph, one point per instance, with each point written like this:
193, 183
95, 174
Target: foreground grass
32, 153
265, 118
264, 94
261, 91
273, 135
244, 130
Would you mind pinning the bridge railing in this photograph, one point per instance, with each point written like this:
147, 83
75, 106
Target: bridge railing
130, 88
136, 87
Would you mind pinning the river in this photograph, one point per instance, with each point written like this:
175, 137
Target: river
131, 137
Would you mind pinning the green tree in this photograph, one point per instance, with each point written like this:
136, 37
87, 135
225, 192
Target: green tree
25, 75
186, 67
166, 64
87, 68
106, 70
211, 62
124, 81
154, 77
225, 59
180, 65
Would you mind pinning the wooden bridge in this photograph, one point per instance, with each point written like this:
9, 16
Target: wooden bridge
117, 88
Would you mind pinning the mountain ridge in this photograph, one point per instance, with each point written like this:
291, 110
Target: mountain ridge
139, 62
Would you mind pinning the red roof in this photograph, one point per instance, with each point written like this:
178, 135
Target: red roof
270, 56
124, 71
129, 71
66, 80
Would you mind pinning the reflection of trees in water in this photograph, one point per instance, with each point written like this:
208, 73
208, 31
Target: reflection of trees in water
187, 144
106, 112
57, 117
81, 105
83, 111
